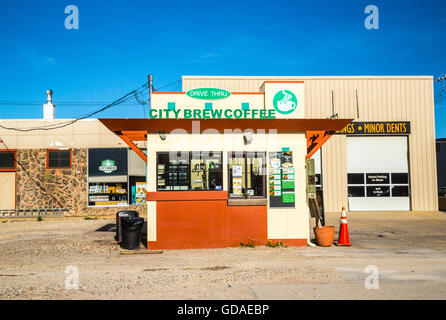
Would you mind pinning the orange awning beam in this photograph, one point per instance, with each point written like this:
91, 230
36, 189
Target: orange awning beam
315, 140
128, 140
318, 131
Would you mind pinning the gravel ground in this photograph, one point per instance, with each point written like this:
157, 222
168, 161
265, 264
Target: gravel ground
409, 250
34, 256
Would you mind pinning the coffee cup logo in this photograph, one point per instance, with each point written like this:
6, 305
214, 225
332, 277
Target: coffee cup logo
285, 101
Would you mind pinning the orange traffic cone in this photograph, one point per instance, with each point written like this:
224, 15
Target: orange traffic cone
344, 239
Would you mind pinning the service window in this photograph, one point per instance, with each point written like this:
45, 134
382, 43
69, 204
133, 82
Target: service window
206, 171
247, 177
8, 160
189, 171
58, 159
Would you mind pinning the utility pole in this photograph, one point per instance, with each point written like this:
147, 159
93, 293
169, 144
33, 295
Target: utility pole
150, 82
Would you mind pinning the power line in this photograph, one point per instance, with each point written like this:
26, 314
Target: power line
167, 85
129, 96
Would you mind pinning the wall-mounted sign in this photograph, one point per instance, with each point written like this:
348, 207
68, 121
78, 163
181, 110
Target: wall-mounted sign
108, 166
273, 100
107, 162
281, 180
285, 101
208, 93
377, 128
212, 113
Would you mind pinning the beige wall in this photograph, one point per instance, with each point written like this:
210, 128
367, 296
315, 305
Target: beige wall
90, 133
283, 223
391, 98
7, 190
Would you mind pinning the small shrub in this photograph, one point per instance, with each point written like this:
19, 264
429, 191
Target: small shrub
90, 218
39, 218
275, 244
250, 243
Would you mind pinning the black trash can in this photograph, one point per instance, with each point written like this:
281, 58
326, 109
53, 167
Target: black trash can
131, 232
119, 216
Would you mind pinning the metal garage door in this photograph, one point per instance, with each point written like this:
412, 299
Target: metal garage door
378, 173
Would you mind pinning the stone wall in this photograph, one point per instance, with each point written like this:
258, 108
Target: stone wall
39, 187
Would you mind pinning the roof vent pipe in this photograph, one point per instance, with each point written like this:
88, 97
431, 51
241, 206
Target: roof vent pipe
49, 109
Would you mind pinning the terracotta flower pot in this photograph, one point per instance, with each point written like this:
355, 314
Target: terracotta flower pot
324, 235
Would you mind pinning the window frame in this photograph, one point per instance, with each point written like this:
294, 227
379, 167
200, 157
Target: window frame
14, 151
189, 160
245, 176
58, 150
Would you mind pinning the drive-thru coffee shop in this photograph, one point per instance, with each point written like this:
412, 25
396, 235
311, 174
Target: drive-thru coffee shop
224, 159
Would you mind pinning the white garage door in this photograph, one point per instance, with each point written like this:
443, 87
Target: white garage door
378, 173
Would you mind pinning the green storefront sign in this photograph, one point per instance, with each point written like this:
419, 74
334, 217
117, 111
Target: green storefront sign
108, 166
208, 93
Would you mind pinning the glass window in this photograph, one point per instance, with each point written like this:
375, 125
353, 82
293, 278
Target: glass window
355, 178
400, 178
378, 191
57, 159
183, 171
247, 174
356, 192
7, 160
108, 181
206, 171
400, 191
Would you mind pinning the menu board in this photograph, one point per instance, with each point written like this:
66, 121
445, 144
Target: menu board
281, 180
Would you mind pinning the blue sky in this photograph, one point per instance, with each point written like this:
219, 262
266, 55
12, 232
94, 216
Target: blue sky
119, 43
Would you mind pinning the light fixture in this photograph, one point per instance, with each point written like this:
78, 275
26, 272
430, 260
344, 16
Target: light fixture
247, 136
162, 135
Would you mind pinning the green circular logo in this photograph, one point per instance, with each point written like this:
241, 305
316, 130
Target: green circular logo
285, 101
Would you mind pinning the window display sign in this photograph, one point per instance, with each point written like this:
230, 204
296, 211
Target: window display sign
237, 180
281, 180
377, 178
107, 162
140, 195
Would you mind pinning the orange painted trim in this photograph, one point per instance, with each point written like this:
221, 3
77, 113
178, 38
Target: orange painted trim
15, 160
167, 125
291, 242
58, 150
187, 195
284, 81
177, 92
248, 93
207, 224
168, 92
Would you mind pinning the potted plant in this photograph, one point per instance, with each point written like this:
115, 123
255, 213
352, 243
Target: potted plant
324, 234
